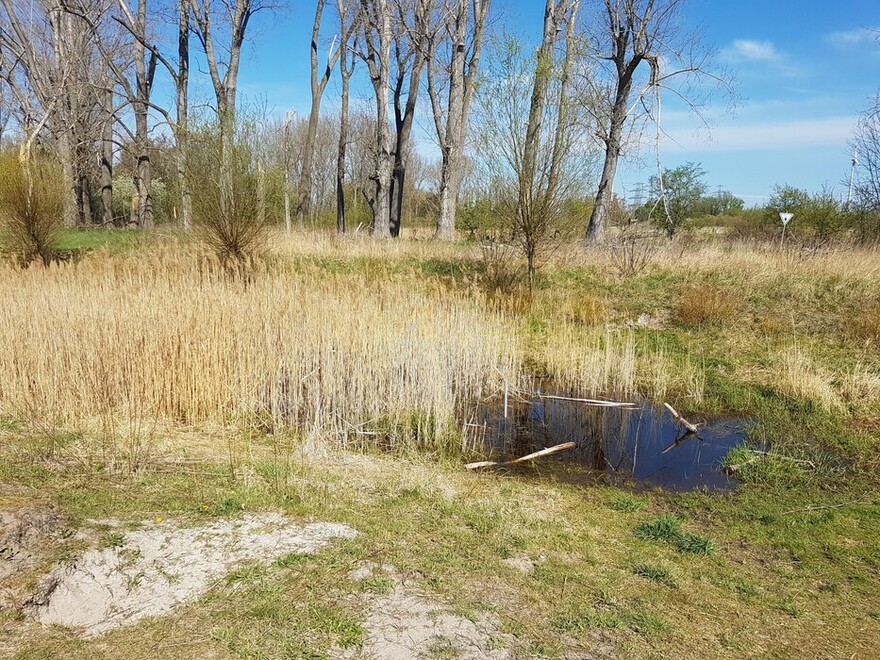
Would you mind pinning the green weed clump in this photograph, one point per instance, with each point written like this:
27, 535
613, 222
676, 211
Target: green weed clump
668, 528
31, 208
707, 306
656, 573
627, 503
663, 528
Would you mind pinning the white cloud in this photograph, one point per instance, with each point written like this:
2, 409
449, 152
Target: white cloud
752, 50
855, 37
743, 136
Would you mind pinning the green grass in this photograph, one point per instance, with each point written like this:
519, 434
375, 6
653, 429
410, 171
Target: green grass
114, 240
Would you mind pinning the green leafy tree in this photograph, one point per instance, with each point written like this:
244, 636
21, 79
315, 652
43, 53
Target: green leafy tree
683, 189
819, 211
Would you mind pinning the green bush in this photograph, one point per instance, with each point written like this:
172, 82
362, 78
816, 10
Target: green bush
31, 208
224, 182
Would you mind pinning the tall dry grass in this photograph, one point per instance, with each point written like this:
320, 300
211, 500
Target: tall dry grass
173, 337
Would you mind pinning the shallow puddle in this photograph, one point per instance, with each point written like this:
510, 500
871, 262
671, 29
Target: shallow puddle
640, 443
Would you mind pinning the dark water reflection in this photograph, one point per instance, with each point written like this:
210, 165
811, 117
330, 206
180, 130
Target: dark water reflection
641, 443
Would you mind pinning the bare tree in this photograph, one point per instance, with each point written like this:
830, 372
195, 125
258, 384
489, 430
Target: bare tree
137, 27
538, 193
410, 49
348, 22
867, 147
453, 63
376, 27
318, 85
49, 51
223, 51
530, 153
631, 36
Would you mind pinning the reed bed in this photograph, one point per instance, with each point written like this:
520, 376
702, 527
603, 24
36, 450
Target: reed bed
175, 337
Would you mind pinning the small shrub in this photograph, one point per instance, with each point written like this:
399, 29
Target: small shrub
632, 253
707, 306
224, 180
31, 208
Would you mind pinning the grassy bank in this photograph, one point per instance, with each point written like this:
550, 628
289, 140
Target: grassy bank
148, 383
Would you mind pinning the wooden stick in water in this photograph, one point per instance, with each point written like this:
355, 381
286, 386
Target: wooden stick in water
681, 420
592, 402
522, 459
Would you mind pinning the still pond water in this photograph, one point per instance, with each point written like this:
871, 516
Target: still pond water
641, 443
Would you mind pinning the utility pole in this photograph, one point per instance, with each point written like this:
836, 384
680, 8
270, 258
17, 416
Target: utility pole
852, 174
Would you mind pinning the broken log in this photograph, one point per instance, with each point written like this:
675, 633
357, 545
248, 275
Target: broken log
522, 459
681, 420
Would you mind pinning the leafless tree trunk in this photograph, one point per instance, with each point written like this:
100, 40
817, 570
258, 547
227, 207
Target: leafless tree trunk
535, 198
286, 147
410, 44
376, 23
181, 127
106, 163
463, 29
142, 215
318, 85
348, 26
628, 34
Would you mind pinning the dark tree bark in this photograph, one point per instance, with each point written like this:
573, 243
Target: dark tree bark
377, 34
410, 44
318, 85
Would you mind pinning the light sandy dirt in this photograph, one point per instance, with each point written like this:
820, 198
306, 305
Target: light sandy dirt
403, 624
163, 564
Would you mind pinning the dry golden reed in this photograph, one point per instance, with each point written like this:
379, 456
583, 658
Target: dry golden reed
175, 338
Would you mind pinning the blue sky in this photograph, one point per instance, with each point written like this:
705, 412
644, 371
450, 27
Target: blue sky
804, 71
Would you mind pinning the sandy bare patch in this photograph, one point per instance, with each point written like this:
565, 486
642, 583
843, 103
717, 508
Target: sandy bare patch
163, 564
27, 535
403, 624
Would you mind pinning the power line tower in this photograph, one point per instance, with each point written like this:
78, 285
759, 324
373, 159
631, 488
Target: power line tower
638, 195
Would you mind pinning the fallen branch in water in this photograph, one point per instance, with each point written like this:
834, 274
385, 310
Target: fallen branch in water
522, 459
592, 402
681, 420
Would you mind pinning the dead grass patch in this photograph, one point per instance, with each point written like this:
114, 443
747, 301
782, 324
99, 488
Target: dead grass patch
707, 305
